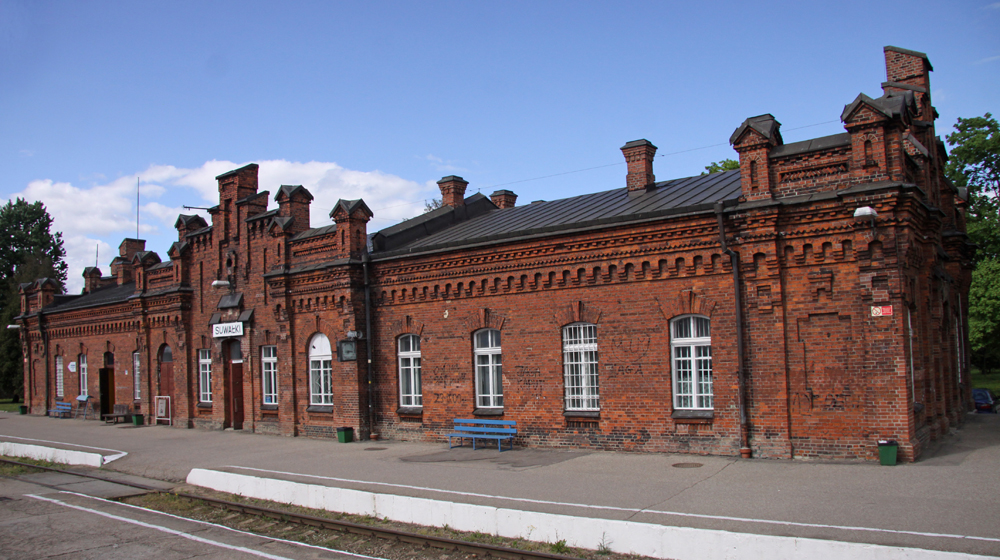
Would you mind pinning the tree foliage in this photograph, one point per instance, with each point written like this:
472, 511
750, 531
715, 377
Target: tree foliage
434, 204
974, 163
29, 250
984, 314
720, 166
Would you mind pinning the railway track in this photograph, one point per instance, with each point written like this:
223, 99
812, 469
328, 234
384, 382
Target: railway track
443, 543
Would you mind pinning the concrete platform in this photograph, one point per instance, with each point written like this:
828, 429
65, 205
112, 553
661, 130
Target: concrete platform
946, 505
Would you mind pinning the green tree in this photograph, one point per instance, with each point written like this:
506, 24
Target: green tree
974, 163
984, 314
29, 250
719, 166
434, 204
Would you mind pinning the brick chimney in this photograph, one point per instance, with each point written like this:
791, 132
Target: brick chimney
453, 190
91, 279
754, 140
909, 70
293, 202
639, 156
503, 199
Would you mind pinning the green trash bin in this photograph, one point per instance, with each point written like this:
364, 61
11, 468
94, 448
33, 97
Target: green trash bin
887, 452
23, 409
345, 434
137, 419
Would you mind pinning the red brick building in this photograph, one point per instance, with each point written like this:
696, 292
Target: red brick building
806, 305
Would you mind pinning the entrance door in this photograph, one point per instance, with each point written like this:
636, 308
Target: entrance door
107, 381
234, 387
166, 380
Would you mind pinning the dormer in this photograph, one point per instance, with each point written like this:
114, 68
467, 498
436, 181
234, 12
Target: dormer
754, 140
351, 217
234, 185
186, 224
91, 279
47, 289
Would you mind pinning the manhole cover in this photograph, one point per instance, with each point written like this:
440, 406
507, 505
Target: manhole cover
376, 448
686, 465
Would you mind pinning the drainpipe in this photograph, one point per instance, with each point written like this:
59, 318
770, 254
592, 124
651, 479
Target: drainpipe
734, 258
365, 259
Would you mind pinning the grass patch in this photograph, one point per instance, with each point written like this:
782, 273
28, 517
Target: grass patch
8, 470
8, 405
981, 380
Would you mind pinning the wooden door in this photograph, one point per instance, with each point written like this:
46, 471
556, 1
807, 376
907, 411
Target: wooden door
166, 380
107, 384
236, 395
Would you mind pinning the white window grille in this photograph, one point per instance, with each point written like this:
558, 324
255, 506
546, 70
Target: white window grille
269, 371
205, 376
320, 371
580, 370
691, 345
409, 371
81, 364
137, 384
60, 384
489, 369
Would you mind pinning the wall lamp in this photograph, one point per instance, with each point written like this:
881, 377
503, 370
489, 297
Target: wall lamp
220, 284
13, 327
865, 214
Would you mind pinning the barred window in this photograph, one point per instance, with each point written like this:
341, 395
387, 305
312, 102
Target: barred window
205, 376
489, 369
320, 371
409, 371
137, 384
269, 373
580, 368
60, 384
691, 345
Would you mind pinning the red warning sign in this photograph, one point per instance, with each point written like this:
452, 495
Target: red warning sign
881, 310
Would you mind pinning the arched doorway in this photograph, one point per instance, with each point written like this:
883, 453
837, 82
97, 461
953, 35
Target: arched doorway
165, 377
233, 384
107, 384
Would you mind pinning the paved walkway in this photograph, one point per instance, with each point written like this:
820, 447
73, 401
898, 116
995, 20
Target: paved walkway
950, 501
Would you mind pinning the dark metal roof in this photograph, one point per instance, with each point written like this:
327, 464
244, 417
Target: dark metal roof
262, 215
823, 143
102, 296
691, 194
315, 232
235, 171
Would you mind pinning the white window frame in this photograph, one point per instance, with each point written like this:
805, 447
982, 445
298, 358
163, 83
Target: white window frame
691, 360
204, 375
137, 385
60, 383
81, 364
580, 367
489, 368
320, 371
269, 374
409, 362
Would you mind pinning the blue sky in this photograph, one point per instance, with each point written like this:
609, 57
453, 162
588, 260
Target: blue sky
379, 100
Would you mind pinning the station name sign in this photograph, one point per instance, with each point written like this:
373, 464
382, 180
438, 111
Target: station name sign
227, 329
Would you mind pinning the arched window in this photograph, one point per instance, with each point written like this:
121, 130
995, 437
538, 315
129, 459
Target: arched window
580, 369
320, 371
409, 371
489, 369
204, 374
691, 346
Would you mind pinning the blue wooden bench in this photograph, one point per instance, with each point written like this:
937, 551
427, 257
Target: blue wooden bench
484, 429
62, 410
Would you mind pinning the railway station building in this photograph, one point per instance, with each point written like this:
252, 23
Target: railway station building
806, 305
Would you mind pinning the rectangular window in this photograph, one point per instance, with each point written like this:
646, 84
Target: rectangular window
691, 344
137, 384
321, 382
59, 377
409, 371
489, 369
269, 371
81, 364
204, 376
580, 369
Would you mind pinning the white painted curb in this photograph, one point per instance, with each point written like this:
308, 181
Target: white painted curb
51, 454
647, 539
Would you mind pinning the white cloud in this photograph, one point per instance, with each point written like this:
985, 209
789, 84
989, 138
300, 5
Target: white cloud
988, 59
105, 213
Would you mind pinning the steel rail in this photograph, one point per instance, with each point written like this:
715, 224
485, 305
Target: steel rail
337, 525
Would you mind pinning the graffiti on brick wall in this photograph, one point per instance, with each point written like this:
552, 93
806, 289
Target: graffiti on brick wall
612, 371
839, 401
629, 345
527, 379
